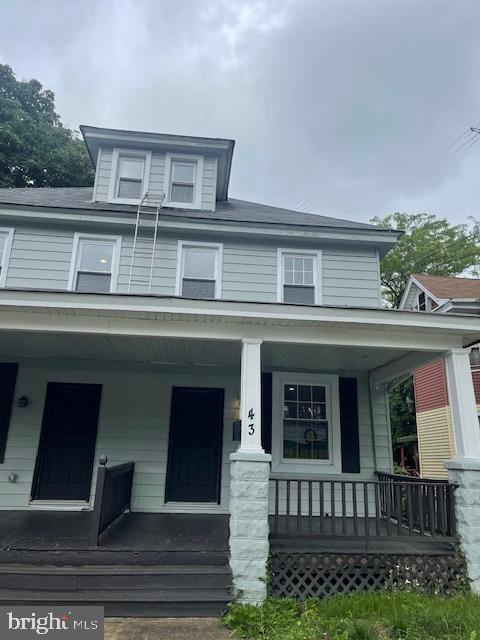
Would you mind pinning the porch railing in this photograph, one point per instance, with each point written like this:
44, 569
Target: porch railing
112, 497
389, 507
420, 505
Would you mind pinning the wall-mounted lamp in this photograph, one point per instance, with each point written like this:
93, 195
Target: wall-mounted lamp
12, 477
23, 402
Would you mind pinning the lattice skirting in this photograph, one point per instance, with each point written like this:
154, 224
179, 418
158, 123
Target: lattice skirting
313, 575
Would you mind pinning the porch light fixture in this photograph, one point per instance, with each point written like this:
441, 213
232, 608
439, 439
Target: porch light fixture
23, 402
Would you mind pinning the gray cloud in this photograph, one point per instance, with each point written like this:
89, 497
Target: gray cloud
341, 107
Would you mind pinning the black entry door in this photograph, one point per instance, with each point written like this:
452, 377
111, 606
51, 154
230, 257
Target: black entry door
195, 445
67, 445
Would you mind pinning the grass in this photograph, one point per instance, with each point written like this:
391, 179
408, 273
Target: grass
363, 616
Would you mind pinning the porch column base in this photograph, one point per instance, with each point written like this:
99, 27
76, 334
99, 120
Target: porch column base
465, 472
249, 546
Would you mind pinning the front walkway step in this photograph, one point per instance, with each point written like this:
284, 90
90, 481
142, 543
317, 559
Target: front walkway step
155, 602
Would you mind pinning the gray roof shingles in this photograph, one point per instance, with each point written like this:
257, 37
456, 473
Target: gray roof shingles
231, 210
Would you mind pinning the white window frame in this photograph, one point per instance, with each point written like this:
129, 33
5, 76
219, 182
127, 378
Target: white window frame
170, 159
8, 233
317, 271
182, 245
310, 467
428, 302
113, 183
115, 241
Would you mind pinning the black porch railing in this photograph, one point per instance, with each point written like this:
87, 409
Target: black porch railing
420, 505
112, 497
390, 507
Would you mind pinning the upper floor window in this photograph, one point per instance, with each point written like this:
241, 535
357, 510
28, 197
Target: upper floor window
130, 176
199, 270
94, 267
183, 181
299, 277
6, 240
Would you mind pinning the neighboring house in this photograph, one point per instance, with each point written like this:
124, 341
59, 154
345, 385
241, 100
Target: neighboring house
192, 382
439, 294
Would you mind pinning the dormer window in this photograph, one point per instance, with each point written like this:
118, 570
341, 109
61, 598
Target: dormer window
183, 181
423, 302
130, 175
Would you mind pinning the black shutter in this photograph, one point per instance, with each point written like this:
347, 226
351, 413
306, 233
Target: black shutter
267, 412
8, 377
349, 425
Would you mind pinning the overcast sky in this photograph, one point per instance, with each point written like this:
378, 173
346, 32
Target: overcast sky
338, 107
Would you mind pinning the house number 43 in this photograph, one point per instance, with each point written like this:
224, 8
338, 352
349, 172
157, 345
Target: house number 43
251, 424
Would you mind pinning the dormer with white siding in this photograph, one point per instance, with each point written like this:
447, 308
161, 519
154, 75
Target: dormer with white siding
189, 172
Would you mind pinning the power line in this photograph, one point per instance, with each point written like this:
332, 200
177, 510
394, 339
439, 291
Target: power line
465, 140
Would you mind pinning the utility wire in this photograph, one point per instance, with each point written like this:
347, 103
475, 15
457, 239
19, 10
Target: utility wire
465, 138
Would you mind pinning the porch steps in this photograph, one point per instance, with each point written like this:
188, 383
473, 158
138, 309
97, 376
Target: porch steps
128, 590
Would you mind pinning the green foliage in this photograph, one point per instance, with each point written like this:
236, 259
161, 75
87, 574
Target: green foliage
363, 616
429, 245
402, 408
36, 150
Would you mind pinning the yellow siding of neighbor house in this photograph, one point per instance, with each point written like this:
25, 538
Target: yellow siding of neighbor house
435, 442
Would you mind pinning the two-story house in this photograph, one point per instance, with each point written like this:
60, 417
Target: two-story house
439, 294
192, 382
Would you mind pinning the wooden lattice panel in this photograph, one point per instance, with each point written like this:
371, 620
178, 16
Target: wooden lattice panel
313, 575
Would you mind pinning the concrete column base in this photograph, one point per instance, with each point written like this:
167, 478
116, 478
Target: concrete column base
249, 546
466, 474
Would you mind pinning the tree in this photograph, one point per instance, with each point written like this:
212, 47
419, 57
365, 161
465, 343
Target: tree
429, 245
402, 407
36, 149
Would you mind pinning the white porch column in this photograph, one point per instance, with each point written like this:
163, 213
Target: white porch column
250, 471
464, 468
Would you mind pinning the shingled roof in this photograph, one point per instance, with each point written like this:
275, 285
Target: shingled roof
449, 288
231, 210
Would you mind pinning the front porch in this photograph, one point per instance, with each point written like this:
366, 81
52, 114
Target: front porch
315, 490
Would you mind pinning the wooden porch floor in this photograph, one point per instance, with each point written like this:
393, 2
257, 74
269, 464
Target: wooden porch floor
339, 535
68, 531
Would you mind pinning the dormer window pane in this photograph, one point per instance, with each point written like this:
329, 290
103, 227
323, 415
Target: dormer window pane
182, 189
181, 193
183, 172
130, 177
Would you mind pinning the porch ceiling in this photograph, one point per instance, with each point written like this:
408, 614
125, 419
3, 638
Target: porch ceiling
190, 352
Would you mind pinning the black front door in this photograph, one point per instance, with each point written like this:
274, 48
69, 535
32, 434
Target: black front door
195, 445
67, 444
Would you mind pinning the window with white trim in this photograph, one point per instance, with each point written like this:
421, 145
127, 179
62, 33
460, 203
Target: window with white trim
6, 239
95, 264
298, 277
183, 180
306, 423
200, 271
423, 302
130, 174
